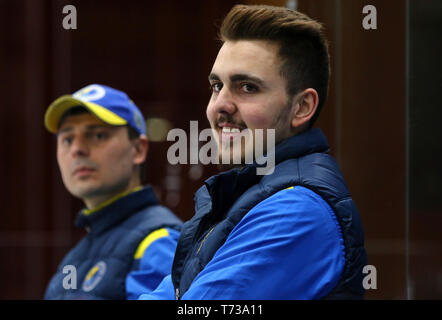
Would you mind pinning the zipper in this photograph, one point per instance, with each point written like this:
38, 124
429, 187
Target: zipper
177, 294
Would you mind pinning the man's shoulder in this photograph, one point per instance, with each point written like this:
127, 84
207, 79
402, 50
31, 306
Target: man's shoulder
148, 224
295, 195
291, 205
155, 216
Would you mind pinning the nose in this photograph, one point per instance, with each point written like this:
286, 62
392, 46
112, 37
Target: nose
223, 102
79, 147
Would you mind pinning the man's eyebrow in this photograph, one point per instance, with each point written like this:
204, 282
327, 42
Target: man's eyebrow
88, 127
246, 77
64, 130
239, 77
213, 76
99, 126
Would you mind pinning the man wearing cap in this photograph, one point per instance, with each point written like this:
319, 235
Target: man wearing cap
131, 239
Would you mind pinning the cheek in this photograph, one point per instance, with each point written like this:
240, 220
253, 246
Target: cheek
256, 118
62, 163
120, 159
64, 167
263, 114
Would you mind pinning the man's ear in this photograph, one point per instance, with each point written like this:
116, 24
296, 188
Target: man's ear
304, 107
141, 146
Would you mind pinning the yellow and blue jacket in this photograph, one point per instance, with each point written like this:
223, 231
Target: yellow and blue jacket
293, 234
128, 250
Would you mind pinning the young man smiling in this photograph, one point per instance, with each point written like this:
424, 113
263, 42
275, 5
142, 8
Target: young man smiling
292, 234
101, 150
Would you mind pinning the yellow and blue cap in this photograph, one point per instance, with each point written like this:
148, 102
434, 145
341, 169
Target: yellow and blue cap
108, 104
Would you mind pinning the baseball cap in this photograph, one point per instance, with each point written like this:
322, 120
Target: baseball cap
108, 104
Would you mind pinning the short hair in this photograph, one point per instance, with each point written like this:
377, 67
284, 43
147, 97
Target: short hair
131, 132
303, 48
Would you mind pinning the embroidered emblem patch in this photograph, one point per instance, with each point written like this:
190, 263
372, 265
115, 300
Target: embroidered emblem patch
94, 276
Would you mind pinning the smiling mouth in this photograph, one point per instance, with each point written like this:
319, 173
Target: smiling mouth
235, 138
229, 133
229, 130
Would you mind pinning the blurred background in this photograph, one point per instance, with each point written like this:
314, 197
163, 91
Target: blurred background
382, 120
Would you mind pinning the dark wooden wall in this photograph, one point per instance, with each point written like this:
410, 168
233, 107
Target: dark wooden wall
364, 119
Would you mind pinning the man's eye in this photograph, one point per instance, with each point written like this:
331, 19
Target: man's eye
216, 86
100, 135
249, 88
67, 141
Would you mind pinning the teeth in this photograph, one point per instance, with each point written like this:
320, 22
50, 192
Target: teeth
230, 130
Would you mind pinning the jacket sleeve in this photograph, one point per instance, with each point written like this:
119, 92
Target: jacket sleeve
289, 246
155, 254
165, 291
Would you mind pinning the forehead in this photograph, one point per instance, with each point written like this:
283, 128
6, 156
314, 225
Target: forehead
258, 57
82, 120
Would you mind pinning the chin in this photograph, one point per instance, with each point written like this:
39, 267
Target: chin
83, 192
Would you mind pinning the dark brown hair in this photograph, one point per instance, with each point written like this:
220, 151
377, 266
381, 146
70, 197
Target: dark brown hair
303, 48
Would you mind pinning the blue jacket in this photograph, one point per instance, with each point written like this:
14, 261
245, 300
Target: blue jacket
294, 234
131, 238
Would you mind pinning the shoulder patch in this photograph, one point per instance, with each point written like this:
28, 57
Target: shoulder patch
94, 276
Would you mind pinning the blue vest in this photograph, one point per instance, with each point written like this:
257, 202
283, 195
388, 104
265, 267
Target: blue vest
104, 257
301, 160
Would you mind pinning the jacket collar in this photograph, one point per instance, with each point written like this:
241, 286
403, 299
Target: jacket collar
225, 188
115, 210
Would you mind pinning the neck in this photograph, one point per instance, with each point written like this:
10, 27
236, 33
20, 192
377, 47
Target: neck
99, 201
